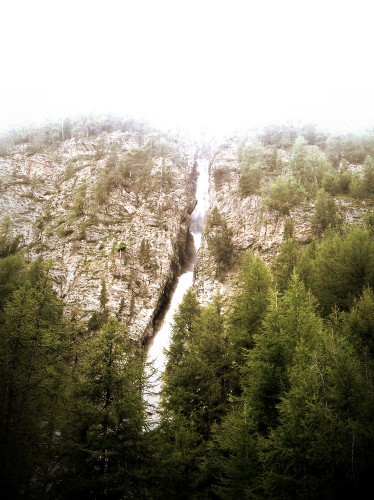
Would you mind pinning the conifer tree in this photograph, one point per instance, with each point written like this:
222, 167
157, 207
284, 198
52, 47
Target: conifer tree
249, 306
103, 434
342, 266
196, 390
33, 350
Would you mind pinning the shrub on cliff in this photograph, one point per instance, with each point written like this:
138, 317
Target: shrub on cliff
219, 239
283, 194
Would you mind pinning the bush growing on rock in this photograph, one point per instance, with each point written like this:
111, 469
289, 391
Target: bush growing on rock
283, 194
326, 213
219, 238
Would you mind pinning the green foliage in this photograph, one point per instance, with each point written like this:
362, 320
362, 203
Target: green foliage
341, 267
289, 320
131, 170
196, 388
79, 200
121, 247
368, 176
288, 228
97, 320
281, 136
103, 296
334, 151
362, 186
11, 276
253, 151
284, 263
358, 323
269, 396
250, 177
369, 221
253, 158
32, 352
356, 187
8, 243
326, 213
308, 165
219, 238
249, 305
283, 194
335, 182
320, 448
353, 149
103, 434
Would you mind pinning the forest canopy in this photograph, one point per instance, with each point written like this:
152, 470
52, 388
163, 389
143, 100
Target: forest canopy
266, 395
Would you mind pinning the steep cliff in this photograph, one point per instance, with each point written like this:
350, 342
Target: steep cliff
110, 204
251, 221
110, 210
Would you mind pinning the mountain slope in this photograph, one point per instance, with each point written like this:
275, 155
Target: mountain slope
110, 208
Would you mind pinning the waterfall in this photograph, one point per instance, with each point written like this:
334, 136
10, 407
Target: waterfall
161, 339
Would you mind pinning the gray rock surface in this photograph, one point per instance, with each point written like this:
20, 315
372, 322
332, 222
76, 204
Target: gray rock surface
51, 199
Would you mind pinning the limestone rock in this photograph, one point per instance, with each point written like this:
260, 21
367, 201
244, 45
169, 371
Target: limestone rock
134, 238
253, 226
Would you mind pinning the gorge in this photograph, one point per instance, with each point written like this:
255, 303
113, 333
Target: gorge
268, 386
161, 338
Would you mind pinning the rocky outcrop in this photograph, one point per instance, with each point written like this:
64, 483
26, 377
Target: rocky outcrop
111, 213
252, 225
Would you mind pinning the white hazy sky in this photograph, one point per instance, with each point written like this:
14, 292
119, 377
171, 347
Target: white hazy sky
197, 64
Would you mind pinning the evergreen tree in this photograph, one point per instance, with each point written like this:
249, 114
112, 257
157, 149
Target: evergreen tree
322, 446
219, 239
289, 319
237, 446
103, 433
343, 265
326, 214
196, 381
33, 350
11, 275
358, 324
249, 305
196, 390
369, 176
284, 263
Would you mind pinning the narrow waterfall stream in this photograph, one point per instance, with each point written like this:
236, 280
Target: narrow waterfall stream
161, 339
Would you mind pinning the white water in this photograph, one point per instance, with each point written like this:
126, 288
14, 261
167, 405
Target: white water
161, 339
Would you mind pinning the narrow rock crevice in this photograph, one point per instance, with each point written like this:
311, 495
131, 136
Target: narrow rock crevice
184, 258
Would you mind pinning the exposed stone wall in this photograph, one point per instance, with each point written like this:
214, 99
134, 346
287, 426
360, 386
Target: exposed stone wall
83, 238
253, 226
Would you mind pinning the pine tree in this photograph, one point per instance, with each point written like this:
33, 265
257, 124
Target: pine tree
33, 349
326, 213
322, 446
103, 434
342, 267
196, 390
249, 306
284, 263
291, 318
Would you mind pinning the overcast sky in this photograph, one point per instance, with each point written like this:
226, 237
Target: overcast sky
198, 64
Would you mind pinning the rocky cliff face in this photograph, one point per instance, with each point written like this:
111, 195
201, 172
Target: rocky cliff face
112, 212
253, 226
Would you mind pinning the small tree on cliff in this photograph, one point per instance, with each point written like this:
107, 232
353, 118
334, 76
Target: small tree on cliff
219, 238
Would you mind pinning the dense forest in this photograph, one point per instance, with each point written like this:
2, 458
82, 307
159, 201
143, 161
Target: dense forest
266, 394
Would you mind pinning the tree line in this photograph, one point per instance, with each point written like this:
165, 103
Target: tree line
268, 394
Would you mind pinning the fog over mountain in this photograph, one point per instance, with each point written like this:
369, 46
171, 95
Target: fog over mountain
211, 66
186, 250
